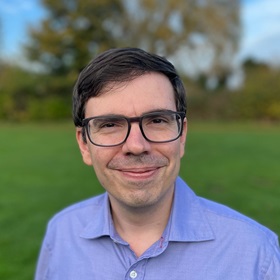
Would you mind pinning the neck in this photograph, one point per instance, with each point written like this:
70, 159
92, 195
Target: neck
141, 227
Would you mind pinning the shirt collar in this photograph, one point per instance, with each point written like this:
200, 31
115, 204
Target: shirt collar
101, 221
187, 222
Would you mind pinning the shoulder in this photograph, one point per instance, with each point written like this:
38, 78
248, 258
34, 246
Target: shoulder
80, 213
244, 237
227, 221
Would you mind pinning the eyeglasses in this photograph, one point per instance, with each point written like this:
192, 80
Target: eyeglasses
113, 130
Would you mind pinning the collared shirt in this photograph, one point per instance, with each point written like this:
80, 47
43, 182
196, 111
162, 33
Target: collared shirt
202, 240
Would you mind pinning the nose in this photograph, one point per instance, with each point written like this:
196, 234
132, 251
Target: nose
136, 143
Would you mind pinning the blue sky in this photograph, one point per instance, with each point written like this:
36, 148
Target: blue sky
260, 18
15, 16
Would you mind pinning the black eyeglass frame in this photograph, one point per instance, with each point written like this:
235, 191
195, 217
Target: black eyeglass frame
182, 116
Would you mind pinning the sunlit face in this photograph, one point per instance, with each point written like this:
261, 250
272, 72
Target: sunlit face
137, 173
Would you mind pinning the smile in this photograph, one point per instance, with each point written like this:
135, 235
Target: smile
139, 173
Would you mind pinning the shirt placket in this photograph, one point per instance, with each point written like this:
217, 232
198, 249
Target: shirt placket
137, 270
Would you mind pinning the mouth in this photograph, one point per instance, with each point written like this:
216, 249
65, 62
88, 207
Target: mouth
139, 173
138, 168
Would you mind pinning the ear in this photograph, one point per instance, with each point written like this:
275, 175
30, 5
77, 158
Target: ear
183, 138
84, 147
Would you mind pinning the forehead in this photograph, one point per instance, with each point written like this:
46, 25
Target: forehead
152, 91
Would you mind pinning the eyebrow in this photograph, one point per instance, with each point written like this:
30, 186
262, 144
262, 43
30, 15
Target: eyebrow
145, 113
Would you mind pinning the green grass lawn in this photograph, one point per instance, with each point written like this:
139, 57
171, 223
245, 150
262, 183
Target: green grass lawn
42, 172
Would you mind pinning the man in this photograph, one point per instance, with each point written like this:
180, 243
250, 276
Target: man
129, 110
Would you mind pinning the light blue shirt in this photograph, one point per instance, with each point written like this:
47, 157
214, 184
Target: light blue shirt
203, 240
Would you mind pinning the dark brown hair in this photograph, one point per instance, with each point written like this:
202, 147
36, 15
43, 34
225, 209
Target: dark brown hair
117, 66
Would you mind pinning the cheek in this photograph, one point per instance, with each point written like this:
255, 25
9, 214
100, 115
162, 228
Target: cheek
97, 160
173, 151
99, 166
100, 158
176, 154
100, 162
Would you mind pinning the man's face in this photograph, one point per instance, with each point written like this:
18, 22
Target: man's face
137, 173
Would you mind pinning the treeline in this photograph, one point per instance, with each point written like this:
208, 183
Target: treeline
258, 98
189, 32
29, 96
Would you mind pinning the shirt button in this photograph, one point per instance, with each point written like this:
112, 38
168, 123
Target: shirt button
133, 274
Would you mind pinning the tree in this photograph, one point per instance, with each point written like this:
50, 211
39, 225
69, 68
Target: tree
72, 33
16, 87
202, 36
189, 31
259, 98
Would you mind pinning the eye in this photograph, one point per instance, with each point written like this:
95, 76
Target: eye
107, 124
158, 119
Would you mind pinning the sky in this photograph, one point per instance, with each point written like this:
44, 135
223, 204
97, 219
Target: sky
260, 23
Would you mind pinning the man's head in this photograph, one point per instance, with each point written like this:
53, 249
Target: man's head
118, 66
131, 105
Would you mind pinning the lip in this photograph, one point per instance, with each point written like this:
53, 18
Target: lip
139, 173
